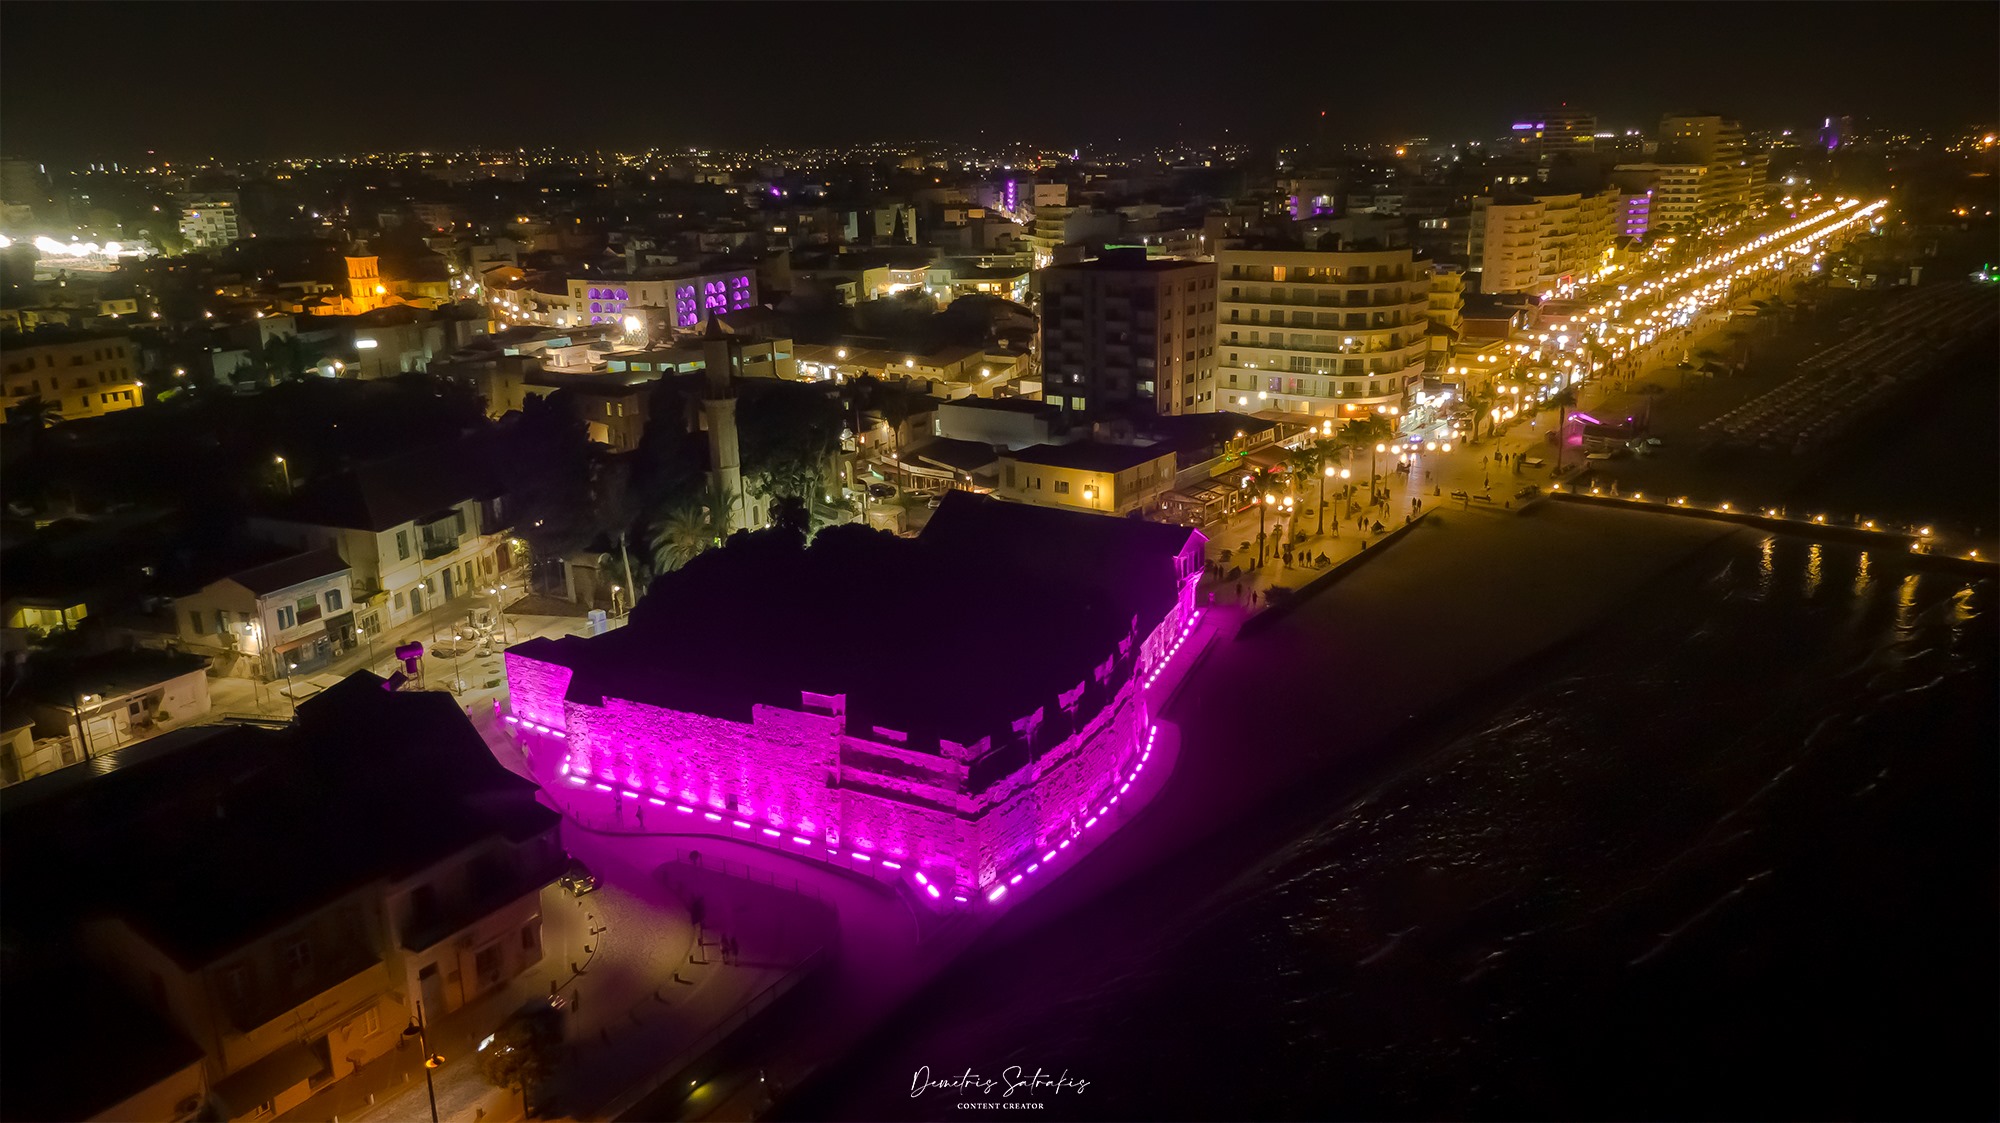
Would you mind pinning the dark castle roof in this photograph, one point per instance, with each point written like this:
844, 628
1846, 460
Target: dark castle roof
1023, 602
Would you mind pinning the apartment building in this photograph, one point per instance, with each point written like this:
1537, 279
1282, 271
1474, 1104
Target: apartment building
1123, 334
287, 616
1680, 192
1504, 241
1446, 311
1323, 333
417, 532
75, 374
1716, 143
210, 221
1541, 243
321, 881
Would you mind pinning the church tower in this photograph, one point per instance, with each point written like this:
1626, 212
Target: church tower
722, 361
364, 279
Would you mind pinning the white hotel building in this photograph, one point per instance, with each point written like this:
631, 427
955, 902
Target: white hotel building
1322, 333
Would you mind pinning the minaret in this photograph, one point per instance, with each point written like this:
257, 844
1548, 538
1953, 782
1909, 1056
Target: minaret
722, 360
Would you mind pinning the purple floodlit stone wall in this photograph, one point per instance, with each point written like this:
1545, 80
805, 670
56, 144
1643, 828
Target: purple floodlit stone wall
535, 690
771, 771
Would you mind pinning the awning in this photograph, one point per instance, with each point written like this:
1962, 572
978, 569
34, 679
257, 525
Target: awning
1266, 459
290, 644
264, 1079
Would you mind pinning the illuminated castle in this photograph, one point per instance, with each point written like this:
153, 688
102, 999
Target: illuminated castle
744, 692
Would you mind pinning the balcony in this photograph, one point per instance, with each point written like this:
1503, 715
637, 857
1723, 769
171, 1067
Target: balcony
435, 548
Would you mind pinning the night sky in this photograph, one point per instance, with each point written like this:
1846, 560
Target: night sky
82, 81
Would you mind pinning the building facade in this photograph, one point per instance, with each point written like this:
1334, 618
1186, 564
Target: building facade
290, 616
1122, 333
1544, 243
1321, 333
77, 376
1087, 476
210, 222
288, 946
689, 298
1679, 193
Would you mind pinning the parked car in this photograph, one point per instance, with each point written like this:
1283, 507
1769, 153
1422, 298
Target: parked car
882, 491
935, 500
1529, 492
578, 879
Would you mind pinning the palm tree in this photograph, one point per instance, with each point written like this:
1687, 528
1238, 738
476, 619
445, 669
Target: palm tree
1564, 400
1481, 406
692, 529
896, 404
33, 412
1368, 431
680, 537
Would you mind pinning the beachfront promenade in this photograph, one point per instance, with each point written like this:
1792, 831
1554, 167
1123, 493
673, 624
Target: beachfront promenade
1433, 477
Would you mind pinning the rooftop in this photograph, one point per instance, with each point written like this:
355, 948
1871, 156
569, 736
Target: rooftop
170, 842
1005, 405
287, 572
761, 619
947, 452
1090, 456
109, 674
78, 1043
387, 493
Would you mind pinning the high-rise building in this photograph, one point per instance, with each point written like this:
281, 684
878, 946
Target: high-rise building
1557, 132
210, 221
1321, 333
1543, 243
1716, 143
1506, 234
24, 190
1122, 333
1447, 310
1679, 192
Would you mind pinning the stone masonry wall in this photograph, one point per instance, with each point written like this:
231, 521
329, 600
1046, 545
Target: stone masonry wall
536, 689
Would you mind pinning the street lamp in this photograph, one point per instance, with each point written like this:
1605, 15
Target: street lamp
431, 1060
287, 469
499, 611
1090, 496
1379, 449
1322, 497
1266, 502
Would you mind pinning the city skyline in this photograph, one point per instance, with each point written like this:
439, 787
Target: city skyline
858, 67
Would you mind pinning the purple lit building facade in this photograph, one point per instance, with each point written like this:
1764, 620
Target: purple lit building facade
690, 296
961, 767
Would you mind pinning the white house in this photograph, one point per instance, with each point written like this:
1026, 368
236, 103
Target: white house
293, 612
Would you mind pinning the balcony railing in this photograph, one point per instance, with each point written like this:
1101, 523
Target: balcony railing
435, 548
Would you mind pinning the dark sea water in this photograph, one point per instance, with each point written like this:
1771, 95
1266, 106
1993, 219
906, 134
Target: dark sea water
1736, 859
